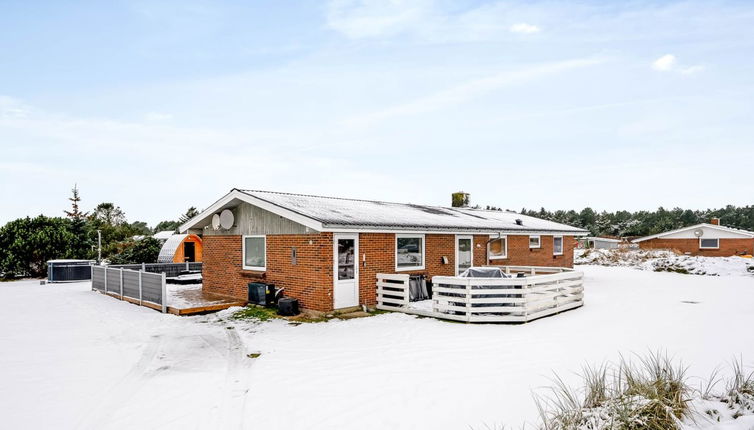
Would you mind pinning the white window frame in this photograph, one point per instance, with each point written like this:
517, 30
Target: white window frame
459, 237
424, 253
497, 257
243, 253
562, 245
709, 247
539, 241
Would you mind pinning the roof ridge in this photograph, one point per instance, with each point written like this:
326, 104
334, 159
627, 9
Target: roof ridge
345, 198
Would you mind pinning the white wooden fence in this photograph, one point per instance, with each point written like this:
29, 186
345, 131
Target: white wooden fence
135, 286
540, 292
392, 291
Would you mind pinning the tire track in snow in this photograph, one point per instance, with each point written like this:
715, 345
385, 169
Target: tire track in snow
113, 398
233, 402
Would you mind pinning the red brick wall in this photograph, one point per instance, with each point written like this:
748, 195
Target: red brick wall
728, 247
519, 253
310, 280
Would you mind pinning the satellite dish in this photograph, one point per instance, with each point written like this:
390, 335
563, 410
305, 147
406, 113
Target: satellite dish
226, 219
699, 232
216, 222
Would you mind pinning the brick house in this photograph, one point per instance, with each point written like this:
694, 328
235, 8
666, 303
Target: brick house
326, 252
711, 240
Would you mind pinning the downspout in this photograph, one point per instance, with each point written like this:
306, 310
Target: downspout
487, 250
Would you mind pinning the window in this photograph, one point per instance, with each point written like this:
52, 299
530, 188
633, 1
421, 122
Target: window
498, 248
409, 251
534, 242
709, 243
254, 253
557, 245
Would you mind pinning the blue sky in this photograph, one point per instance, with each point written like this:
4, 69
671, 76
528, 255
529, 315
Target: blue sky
160, 105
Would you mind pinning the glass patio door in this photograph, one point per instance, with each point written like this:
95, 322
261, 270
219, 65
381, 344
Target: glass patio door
464, 253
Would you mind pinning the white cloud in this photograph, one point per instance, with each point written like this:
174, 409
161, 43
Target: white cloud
524, 28
692, 69
369, 18
669, 63
158, 116
664, 63
13, 108
466, 91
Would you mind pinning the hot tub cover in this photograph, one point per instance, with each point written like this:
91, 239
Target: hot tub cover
483, 272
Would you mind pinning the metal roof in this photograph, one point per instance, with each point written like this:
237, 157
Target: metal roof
335, 213
167, 252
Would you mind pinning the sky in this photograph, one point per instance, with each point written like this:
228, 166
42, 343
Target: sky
161, 105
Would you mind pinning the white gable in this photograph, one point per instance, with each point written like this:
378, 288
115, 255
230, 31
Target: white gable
709, 233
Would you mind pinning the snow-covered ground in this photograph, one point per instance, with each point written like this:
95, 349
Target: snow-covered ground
661, 260
72, 358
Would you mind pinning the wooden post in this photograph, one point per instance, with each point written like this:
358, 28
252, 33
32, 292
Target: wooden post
407, 291
141, 275
468, 300
121, 284
164, 294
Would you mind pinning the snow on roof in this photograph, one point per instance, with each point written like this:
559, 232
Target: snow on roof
603, 239
335, 212
713, 226
167, 252
163, 235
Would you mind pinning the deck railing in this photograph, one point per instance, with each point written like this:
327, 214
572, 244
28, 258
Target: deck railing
392, 291
538, 292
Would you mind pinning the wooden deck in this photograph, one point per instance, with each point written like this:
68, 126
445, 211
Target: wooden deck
187, 300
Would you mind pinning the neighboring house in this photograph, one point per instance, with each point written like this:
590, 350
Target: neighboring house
181, 248
711, 239
599, 243
163, 235
326, 251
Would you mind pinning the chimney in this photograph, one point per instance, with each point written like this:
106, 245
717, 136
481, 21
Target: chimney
715, 221
460, 199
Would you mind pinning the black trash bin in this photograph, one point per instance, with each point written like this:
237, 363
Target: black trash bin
288, 307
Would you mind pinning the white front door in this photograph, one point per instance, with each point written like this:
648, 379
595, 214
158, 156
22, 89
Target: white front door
346, 270
464, 253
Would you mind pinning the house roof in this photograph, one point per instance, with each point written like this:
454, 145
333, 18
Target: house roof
712, 226
603, 239
336, 214
163, 235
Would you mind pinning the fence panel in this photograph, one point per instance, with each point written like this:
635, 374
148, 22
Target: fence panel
151, 285
392, 291
131, 284
98, 278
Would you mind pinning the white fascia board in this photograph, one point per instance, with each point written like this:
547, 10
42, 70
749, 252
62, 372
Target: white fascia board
458, 232
236, 194
712, 226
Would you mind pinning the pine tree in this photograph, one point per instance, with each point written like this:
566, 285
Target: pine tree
80, 248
